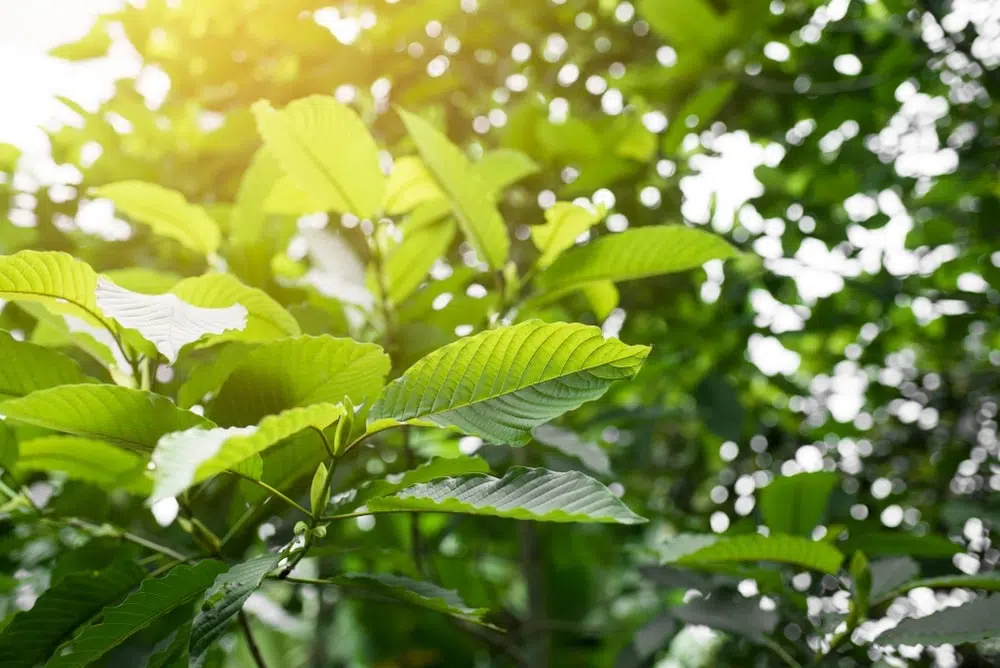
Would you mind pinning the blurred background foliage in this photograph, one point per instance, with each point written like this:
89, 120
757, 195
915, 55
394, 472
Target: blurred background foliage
850, 147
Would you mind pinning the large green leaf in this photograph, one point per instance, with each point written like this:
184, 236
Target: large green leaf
890, 574
27, 367
474, 208
693, 24
635, 253
225, 598
155, 598
730, 613
328, 150
898, 543
266, 318
166, 321
299, 371
33, 635
420, 593
564, 223
971, 622
439, 467
86, 459
166, 212
986, 581
410, 185
60, 282
248, 217
706, 550
187, 457
133, 418
499, 384
795, 504
207, 376
523, 493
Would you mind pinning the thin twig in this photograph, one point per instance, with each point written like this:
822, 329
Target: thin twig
251, 642
271, 490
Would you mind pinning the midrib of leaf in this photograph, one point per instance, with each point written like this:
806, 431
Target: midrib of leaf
68, 300
314, 159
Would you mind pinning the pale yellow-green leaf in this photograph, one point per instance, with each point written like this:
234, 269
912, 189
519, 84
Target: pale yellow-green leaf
326, 147
27, 367
186, 458
502, 168
166, 212
473, 203
287, 198
57, 280
564, 223
86, 459
410, 184
427, 233
602, 297
249, 214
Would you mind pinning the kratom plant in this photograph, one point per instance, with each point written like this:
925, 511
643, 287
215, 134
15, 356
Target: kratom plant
203, 394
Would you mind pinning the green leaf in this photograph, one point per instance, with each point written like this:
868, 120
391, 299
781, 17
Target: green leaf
143, 279
439, 467
58, 281
602, 296
862, 578
8, 447
523, 493
248, 217
327, 149
476, 212
166, 321
155, 598
705, 550
287, 198
166, 212
704, 106
224, 600
693, 24
208, 376
97, 462
185, 458
971, 622
635, 253
891, 574
499, 384
420, 593
567, 442
987, 581
27, 367
299, 371
134, 418
94, 44
501, 168
319, 493
410, 185
172, 651
564, 223
891, 543
427, 236
33, 635
729, 613
796, 504
266, 319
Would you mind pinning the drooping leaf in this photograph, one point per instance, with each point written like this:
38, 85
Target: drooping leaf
971, 622
57, 280
328, 150
409, 185
27, 367
86, 459
501, 168
635, 253
166, 321
166, 212
439, 467
590, 454
420, 593
266, 319
134, 418
471, 200
564, 223
705, 550
602, 296
155, 598
224, 600
523, 493
796, 504
187, 457
500, 384
33, 635
299, 371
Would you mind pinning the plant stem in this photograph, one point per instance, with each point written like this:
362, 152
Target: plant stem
416, 541
781, 652
272, 491
251, 642
538, 648
125, 535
